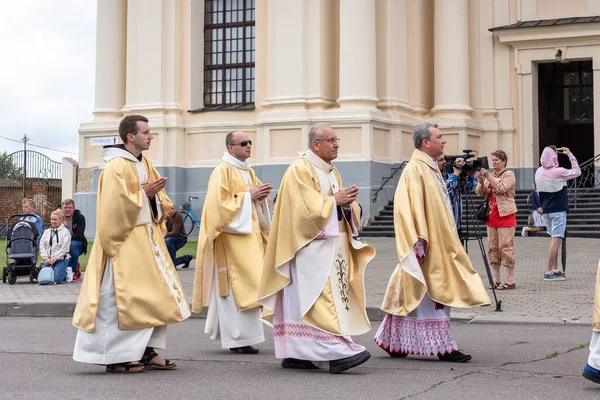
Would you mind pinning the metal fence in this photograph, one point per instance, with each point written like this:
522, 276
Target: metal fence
29, 174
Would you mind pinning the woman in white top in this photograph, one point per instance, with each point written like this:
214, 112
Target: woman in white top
54, 246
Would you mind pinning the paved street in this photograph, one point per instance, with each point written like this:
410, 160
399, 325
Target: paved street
509, 362
534, 300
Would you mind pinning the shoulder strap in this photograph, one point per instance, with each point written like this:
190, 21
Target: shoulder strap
490, 192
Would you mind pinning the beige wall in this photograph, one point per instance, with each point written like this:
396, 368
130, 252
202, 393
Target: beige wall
297, 86
547, 9
382, 145
209, 147
286, 143
351, 141
407, 144
452, 146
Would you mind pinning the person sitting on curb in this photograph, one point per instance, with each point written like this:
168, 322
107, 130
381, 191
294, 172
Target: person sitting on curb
537, 221
54, 246
176, 238
74, 221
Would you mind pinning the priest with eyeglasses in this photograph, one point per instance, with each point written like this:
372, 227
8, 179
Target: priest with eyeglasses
312, 287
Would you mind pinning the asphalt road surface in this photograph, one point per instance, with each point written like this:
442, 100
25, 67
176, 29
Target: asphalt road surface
509, 362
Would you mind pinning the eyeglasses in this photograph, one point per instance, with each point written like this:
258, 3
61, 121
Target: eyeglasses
330, 140
243, 143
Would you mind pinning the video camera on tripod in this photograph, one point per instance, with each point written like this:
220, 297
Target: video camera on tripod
471, 163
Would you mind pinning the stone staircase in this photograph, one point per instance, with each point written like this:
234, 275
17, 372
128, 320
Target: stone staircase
583, 221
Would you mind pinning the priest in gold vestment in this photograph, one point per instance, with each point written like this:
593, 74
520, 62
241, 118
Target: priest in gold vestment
231, 246
312, 287
434, 272
131, 291
592, 369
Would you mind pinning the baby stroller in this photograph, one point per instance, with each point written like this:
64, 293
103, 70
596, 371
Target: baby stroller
21, 248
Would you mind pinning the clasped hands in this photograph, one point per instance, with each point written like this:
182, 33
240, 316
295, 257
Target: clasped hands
345, 197
153, 187
260, 192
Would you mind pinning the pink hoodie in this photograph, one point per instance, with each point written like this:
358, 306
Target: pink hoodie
551, 170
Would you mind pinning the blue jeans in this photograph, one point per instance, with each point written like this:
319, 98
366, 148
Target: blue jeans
60, 270
175, 243
75, 251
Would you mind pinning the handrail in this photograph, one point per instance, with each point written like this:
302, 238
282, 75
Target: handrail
586, 182
394, 171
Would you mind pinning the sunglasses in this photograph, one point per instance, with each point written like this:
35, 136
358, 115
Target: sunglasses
243, 143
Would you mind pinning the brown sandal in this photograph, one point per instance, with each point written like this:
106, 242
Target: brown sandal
496, 285
507, 286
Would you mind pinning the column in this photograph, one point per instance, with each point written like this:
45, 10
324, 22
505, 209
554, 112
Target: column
527, 122
285, 85
321, 54
420, 55
172, 55
451, 69
111, 41
358, 55
145, 26
392, 55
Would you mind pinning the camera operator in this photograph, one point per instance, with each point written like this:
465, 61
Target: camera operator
452, 185
441, 163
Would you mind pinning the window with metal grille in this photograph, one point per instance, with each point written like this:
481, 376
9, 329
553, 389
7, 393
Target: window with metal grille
229, 53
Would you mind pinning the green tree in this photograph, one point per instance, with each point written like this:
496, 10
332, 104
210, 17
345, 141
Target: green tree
8, 169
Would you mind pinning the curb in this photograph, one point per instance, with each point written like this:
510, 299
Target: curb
32, 309
66, 309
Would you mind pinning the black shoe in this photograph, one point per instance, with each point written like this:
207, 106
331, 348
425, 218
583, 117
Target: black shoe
339, 366
244, 350
395, 355
294, 363
456, 357
187, 262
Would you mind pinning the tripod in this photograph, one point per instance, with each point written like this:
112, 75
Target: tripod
466, 234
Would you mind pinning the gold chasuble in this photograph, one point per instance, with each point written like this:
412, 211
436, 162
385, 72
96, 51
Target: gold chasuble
329, 266
128, 231
596, 315
422, 211
238, 256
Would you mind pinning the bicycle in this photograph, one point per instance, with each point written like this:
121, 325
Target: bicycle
189, 218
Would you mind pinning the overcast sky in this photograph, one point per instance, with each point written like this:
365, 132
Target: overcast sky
47, 69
